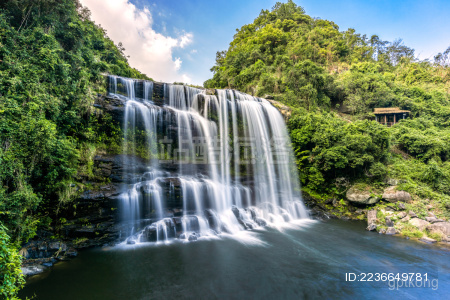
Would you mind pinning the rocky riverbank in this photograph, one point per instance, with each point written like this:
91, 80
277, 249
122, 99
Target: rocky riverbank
390, 211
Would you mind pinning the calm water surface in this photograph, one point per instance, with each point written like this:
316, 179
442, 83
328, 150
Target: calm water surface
306, 261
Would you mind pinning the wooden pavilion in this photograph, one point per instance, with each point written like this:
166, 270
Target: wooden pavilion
390, 115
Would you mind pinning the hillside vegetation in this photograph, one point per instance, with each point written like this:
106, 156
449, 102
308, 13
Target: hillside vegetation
51, 62
316, 69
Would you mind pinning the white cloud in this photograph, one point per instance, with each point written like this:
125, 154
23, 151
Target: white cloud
150, 52
186, 39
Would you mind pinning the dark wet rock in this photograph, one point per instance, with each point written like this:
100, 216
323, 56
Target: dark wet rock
165, 228
71, 252
47, 264
371, 227
391, 194
192, 223
193, 237
177, 212
241, 220
149, 234
260, 222
213, 220
131, 241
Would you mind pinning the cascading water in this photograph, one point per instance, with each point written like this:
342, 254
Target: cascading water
198, 164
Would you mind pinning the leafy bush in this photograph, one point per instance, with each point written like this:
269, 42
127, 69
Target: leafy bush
11, 278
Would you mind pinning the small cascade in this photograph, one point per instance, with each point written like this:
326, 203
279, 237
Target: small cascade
199, 165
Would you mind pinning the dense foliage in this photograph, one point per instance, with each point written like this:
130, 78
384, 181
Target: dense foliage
52, 62
11, 278
333, 80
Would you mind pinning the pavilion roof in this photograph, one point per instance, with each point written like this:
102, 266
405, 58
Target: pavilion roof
389, 110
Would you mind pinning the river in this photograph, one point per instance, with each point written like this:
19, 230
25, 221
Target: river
305, 260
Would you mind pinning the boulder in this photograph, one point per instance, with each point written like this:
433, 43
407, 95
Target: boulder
213, 220
389, 222
431, 215
437, 221
401, 215
401, 206
371, 216
361, 197
419, 223
371, 227
406, 219
391, 194
439, 227
391, 231
412, 214
193, 237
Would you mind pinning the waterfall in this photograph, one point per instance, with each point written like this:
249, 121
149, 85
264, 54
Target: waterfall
197, 164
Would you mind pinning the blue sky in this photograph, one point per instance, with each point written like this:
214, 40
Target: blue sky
176, 40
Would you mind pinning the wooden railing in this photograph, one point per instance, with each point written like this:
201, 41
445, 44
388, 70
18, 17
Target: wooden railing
388, 124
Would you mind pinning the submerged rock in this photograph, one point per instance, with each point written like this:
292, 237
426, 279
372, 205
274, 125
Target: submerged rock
427, 240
